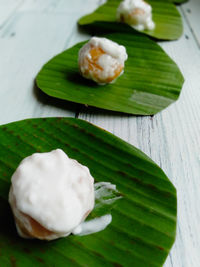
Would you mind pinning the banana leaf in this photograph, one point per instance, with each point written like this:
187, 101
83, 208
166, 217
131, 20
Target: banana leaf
143, 227
150, 83
165, 15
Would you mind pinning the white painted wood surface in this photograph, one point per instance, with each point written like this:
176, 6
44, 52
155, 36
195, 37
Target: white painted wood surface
32, 31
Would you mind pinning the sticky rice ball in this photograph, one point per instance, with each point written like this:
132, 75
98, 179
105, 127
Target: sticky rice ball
136, 13
102, 60
50, 195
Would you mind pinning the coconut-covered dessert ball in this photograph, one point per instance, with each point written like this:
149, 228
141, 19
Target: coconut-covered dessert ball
50, 195
136, 13
102, 60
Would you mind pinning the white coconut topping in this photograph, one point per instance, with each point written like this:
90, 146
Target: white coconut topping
113, 57
136, 13
54, 190
93, 226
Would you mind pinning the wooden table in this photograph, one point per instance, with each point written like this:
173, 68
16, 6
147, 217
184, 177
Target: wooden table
32, 31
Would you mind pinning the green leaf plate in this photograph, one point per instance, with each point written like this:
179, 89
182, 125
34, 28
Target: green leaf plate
144, 220
165, 15
150, 83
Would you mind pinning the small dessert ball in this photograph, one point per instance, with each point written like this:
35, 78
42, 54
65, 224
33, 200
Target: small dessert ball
136, 13
50, 195
102, 60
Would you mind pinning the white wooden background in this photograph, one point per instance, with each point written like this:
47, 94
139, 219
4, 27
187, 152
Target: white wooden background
32, 31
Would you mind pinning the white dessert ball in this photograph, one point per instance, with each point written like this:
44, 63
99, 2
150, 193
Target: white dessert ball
102, 60
50, 195
136, 13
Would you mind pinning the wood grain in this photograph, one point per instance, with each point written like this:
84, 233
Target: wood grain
171, 139
191, 11
8, 9
33, 31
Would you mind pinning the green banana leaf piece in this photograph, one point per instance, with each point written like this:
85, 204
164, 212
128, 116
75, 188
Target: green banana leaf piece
143, 227
151, 80
165, 15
